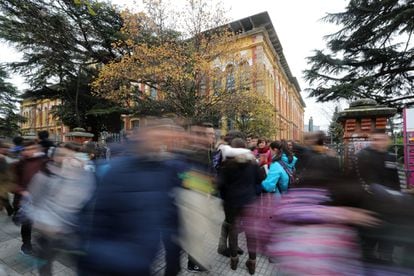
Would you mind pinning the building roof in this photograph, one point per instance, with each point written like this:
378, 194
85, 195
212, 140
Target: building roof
364, 108
263, 20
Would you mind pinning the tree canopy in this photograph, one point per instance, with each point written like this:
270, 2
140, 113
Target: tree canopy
8, 98
195, 71
370, 56
173, 66
63, 44
56, 37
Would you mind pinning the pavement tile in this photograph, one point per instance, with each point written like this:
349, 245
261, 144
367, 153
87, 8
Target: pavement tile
65, 272
9, 247
8, 227
31, 273
7, 271
16, 264
4, 236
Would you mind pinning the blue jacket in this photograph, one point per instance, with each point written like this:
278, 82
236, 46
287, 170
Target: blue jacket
131, 211
290, 165
276, 174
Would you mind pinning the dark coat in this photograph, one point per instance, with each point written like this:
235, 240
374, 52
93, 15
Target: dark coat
238, 183
132, 209
46, 144
26, 168
376, 167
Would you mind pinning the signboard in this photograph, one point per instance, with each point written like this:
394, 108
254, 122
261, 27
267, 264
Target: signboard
409, 145
409, 119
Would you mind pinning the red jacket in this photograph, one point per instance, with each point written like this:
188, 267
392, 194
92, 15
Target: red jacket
25, 170
264, 155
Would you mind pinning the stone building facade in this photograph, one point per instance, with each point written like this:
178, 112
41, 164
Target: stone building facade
260, 46
39, 117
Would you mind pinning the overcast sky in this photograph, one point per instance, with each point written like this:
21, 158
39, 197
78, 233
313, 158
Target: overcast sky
297, 23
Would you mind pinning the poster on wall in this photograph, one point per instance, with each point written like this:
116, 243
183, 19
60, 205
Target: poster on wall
409, 144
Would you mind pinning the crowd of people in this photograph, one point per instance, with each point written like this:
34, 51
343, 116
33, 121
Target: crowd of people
171, 186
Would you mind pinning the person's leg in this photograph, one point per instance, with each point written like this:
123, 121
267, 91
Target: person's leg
230, 214
385, 251
233, 241
368, 242
251, 241
16, 201
172, 256
222, 246
46, 254
231, 217
6, 204
26, 233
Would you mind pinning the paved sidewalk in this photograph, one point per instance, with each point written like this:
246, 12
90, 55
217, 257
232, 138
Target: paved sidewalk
13, 263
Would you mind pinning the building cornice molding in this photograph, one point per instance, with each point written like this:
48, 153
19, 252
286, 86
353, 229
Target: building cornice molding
262, 21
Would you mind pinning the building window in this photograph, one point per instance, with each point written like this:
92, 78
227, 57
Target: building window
230, 79
260, 87
153, 93
217, 81
244, 76
135, 124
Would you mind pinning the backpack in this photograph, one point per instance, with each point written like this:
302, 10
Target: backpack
293, 180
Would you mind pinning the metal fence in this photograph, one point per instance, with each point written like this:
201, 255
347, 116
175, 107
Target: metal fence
111, 137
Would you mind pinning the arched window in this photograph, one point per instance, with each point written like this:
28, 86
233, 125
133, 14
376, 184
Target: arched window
217, 81
230, 79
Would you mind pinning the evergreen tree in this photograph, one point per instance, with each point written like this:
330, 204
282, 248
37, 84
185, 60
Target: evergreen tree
8, 98
371, 55
63, 44
336, 131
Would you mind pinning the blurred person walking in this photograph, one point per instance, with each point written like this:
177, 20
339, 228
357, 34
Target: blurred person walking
6, 179
376, 165
238, 180
44, 140
58, 193
199, 177
309, 230
18, 147
132, 209
377, 170
33, 159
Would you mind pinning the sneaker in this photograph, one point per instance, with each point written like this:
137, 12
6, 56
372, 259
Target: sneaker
26, 249
195, 268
